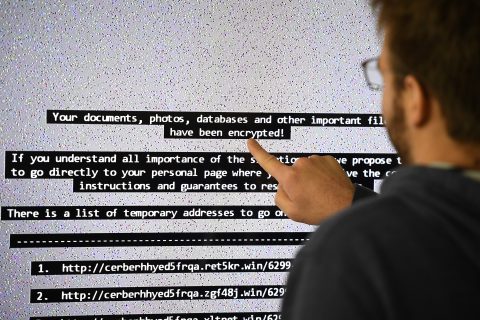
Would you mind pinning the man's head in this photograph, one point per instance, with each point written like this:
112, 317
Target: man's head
431, 68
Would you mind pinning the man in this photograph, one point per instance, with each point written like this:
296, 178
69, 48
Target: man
412, 252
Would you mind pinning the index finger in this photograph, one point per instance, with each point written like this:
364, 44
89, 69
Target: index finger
267, 161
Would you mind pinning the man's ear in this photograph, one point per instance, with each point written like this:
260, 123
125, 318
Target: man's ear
416, 102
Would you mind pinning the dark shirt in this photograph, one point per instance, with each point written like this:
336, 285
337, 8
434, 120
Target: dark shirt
412, 252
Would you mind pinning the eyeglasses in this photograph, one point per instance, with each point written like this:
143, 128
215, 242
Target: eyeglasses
372, 74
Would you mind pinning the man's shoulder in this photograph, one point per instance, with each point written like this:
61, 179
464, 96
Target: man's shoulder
381, 218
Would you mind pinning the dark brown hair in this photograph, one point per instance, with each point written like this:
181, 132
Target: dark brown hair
438, 42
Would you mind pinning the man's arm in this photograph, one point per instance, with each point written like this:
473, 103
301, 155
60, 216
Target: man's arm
362, 193
335, 277
310, 190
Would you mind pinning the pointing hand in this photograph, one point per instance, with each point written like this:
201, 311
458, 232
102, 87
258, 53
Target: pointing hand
310, 190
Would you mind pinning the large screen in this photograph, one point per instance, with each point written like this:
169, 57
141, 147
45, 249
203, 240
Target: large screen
127, 191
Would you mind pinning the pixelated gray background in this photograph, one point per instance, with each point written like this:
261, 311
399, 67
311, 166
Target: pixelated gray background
255, 56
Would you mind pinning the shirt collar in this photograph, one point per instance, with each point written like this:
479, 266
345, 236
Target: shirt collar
473, 174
